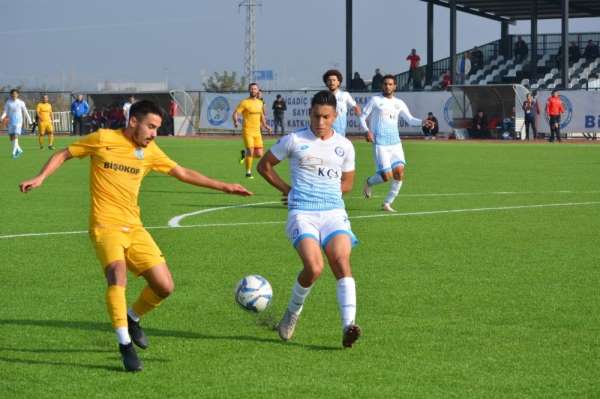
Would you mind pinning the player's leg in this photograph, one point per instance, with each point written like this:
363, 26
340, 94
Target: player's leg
558, 129
41, 136
50, 131
383, 170
145, 259
305, 237
337, 243
248, 160
397, 161
14, 131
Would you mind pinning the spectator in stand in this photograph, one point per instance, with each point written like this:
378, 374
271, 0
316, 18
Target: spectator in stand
79, 109
574, 53
531, 110
521, 50
279, 108
463, 67
376, 81
446, 80
476, 59
357, 83
591, 51
415, 61
479, 126
554, 109
430, 131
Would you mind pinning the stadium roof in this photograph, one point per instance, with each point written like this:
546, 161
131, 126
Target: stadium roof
513, 10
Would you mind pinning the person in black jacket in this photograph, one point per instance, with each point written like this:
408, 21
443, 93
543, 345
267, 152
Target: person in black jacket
479, 126
431, 131
279, 108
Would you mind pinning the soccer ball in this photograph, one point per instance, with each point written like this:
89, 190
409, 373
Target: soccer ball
254, 293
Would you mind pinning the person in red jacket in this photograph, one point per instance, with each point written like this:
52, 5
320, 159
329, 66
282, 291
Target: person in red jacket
554, 108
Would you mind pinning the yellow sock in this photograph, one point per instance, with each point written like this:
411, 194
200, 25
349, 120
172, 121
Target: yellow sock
50, 138
40, 140
248, 162
117, 305
147, 301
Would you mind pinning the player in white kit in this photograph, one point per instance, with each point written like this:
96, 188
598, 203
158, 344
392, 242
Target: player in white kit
383, 112
322, 169
14, 109
333, 79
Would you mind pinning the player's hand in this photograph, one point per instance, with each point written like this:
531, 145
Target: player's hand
429, 124
370, 137
237, 189
30, 184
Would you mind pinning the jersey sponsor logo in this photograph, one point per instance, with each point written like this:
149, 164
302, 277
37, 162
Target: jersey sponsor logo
121, 168
339, 151
330, 173
310, 163
218, 110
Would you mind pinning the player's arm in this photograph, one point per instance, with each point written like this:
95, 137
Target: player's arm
266, 168
263, 121
24, 109
411, 120
363, 121
49, 168
190, 176
347, 181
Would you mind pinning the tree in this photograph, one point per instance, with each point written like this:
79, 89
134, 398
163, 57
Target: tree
225, 82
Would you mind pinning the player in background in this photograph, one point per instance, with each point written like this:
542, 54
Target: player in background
321, 164
126, 108
333, 79
14, 109
383, 112
119, 161
44, 116
251, 109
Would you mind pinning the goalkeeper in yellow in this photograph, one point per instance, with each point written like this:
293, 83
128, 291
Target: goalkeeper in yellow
119, 161
252, 111
44, 119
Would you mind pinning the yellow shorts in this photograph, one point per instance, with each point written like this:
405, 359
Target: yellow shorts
45, 127
252, 140
133, 245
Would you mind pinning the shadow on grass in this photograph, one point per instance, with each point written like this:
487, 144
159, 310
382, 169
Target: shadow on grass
97, 326
58, 363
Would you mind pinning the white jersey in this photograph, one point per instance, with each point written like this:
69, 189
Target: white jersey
126, 108
384, 113
14, 109
316, 168
344, 101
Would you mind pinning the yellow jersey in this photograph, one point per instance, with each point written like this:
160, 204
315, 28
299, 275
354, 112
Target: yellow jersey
251, 110
44, 112
117, 168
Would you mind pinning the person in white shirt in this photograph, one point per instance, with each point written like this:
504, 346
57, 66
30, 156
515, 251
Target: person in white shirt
333, 79
126, 108
383, 112
14, 109
321, 164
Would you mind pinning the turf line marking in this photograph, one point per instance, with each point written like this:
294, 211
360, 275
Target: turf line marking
174, 222
378, 215
486, 193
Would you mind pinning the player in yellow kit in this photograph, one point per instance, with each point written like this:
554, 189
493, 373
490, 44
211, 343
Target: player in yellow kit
119, 161
44, 116
251, 109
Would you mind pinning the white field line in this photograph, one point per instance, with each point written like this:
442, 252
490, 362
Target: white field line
174, 222
378, 215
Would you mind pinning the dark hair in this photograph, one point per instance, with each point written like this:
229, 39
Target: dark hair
332, 72
143, 108
252, 84
389, 76
554, 91
279, 96
14, 91
324, 97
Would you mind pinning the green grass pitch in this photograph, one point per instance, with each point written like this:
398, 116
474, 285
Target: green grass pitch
484, 285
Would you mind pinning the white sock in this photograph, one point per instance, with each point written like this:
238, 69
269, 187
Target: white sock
15, 145
393, 193
123, 335
299, 294
374, 180
346, 296
133, 315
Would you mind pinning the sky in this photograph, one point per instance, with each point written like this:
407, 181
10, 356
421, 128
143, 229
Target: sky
74, 44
